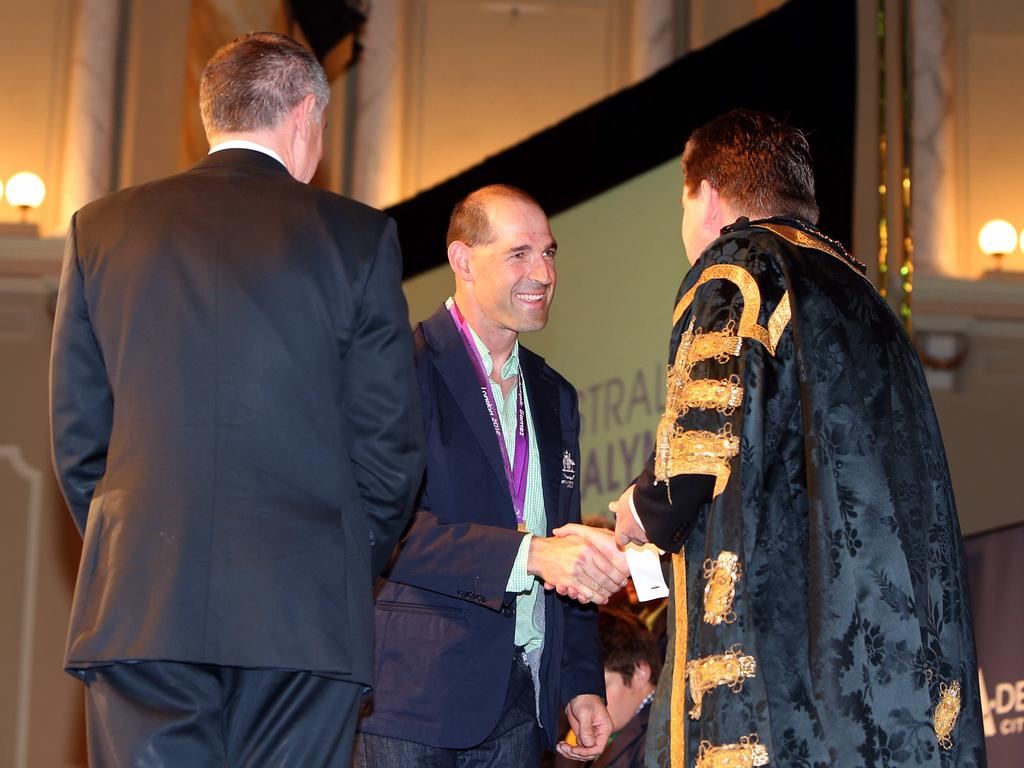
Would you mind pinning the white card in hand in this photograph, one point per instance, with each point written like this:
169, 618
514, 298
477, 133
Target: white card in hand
645, 568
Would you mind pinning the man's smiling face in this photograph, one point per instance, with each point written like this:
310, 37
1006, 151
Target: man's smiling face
514, 272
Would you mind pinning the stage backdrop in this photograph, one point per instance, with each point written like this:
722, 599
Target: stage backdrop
995, 563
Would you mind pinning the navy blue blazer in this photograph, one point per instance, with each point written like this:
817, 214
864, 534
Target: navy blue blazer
445, 625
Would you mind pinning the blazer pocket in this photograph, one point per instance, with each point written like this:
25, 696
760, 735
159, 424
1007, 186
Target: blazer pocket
420, 608
414, 641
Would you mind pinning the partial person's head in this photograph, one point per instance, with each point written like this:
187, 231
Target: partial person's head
502, 252
632, 663
264, 85
743, 163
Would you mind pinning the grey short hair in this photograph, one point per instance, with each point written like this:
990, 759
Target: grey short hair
252, 82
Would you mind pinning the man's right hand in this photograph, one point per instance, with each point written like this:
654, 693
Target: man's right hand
574, 566
627, 529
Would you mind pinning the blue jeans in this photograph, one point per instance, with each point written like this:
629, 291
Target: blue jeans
513, 743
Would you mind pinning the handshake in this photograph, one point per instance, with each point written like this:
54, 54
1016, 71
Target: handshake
581, 561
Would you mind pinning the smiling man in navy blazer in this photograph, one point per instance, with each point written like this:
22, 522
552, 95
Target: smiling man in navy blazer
475, 657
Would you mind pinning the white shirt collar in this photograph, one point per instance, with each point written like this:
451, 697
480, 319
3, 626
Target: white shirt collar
243, 144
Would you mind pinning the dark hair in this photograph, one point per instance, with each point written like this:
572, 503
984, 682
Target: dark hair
469, 221
760, 166
625, 642
255, 80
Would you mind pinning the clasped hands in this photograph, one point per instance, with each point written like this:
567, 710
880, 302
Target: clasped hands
584, 562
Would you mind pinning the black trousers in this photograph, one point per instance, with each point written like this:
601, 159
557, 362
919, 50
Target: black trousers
159, 714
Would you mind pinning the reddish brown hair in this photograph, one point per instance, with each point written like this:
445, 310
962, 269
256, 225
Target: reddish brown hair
759, 165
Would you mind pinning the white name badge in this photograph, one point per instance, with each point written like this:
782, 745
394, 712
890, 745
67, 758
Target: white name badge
645, 568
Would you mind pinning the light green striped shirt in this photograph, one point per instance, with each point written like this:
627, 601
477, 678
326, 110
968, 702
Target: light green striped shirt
527, 587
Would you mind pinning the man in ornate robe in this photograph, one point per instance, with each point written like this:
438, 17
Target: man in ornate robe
820, 605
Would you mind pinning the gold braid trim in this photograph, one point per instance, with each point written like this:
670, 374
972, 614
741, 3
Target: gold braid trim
751, 302
730, 668
677, 724
801, 238
779, 321
724, 395
946, 713
713, 345
694, 452
720, 576
747, 754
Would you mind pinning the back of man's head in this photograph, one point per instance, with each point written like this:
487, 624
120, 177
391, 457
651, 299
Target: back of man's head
469, 222
255, 80
759, 166
626, 642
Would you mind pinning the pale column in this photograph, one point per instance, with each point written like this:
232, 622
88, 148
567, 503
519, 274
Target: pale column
652, 43
377, 145
89, 138
933, 202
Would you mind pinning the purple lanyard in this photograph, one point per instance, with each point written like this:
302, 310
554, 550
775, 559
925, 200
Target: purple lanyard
516, 476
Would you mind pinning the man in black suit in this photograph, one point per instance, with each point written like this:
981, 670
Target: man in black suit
237, 434
475, 658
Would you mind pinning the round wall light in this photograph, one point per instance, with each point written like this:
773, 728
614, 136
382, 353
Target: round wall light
25, 190
996, 239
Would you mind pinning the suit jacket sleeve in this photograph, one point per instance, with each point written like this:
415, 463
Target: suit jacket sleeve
709, 390
470, 561
668, 515
465, 560
386, 445
81, 401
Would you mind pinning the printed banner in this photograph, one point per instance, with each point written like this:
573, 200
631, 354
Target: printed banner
995, 566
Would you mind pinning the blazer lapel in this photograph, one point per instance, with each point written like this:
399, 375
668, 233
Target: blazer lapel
455, 367
542, 389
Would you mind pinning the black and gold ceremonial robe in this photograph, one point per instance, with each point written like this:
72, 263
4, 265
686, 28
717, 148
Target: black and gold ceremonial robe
820, 606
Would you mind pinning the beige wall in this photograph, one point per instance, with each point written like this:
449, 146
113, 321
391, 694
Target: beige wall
989, 44
33, 88
41, 718
154, 86
481, 76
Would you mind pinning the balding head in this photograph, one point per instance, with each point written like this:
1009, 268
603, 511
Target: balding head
502, 253
470, 222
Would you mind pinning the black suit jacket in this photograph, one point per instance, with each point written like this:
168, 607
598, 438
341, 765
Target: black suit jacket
445, 625
235, 423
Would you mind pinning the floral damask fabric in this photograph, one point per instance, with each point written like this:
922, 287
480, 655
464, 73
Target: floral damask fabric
829, 561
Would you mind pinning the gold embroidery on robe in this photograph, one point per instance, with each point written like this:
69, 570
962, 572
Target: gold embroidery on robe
799, 237
804, 240
747, 754
678, 377
679, 451
677, 725
682, 393
694, 452
729, 669
720, 576
946, 713
713, 345
751, 293
722, 395
779, 321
